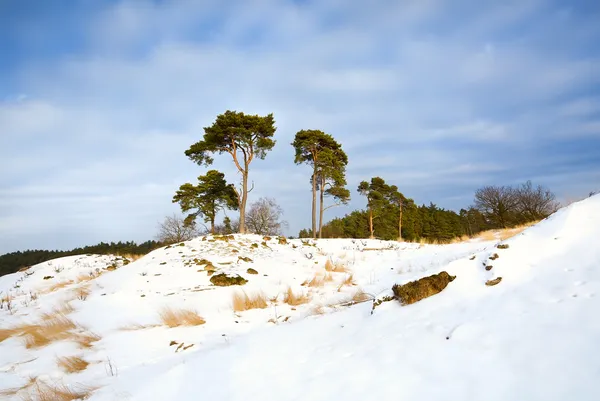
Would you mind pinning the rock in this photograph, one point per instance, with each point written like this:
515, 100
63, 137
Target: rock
251, 271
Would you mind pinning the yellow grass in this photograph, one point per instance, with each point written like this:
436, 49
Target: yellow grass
63, 309
348, 281
72, 364
86, 339
7, 333
360, 296
53, 329
503, 234
335, 267
293, 299
58, 286
319, 280
243, 301
82, 293
180, 317
38, 390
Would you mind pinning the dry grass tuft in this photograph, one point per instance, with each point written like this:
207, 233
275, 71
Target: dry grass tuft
348, 281
317, 310
293, 299
59, 286
40, 391
86, 339
63, 309
7, 333
82, 293
180, 317
72, 364
243, 302
318, 280
51, 329
360, 296
335, 268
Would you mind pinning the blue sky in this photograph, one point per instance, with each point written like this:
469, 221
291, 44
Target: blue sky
99, 100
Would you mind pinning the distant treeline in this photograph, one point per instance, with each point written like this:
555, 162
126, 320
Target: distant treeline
12, 262
391, 214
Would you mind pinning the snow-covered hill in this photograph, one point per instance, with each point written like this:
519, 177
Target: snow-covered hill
533, 336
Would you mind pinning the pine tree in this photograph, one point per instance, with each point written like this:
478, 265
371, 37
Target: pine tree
244, 137
206, 199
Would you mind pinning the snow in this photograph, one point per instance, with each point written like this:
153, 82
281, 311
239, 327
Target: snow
534, 336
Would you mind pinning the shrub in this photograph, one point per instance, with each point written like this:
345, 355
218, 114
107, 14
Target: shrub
415, 291
223, 280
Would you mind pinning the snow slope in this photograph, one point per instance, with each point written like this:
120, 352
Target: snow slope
534, 336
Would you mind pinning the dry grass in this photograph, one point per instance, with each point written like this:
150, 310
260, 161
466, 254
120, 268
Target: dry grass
134, 327
38, 390
243, 301
293, 299
495, 235
82, 293
319, 280
52, 329
63, 309
59, 286
86, 339
348, 282
72, 364
7, 333
131, 256
180, 317
317, 310
335, 267
360, 296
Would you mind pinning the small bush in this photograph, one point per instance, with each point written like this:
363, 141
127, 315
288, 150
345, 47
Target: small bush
415, 291
244, 259
494, 256
335, 268
251, 271
223, 280
243, 302
502, 246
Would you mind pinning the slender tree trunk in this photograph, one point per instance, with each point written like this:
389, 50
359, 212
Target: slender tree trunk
400, 223
243, 201
371, 223
321, 196
314, 202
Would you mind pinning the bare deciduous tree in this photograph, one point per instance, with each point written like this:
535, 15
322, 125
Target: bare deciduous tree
535, 203
498, 204
264, 217
173, 229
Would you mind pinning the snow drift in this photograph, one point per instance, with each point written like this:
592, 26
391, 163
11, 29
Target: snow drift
533, 336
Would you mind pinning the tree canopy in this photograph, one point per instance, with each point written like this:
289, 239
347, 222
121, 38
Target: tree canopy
207, 198
244, 137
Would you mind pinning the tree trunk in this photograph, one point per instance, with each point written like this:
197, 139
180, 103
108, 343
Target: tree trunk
321, 196
243, 201
371, 223
314, 203
400, 223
